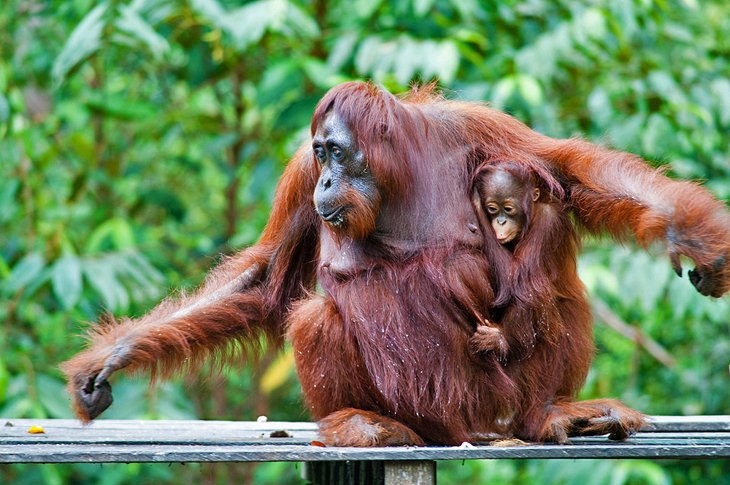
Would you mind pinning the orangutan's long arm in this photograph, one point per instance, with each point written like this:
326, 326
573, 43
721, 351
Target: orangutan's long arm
619, 193
246, 296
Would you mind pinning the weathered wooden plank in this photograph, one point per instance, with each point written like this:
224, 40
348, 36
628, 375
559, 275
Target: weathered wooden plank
688, 423
161, 436
102, 425
203, 441
60, 453
252, 428
244, 429
111, 431
210, 440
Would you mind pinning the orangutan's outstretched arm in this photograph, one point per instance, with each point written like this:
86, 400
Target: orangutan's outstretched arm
244, 297
619, 193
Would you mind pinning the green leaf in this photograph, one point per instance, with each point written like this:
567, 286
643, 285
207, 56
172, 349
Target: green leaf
658, 137
367, 54
115, 233
407, 58
52, 475
366, 8
210, 9
321, 74
599, 106
8, 203
720, 88
100, 273
4, 378
24, 272
4, 268
503, 91
131, 22
342, 50
471, 36
83, 41
664, 85
4, 109
142, 278
625, 135
644, 471
48, 390
444, 62
300, 21
566, 43
18, 407
422, 7
82, 145
468, 9
247, 25
530, 89
66, 280
119, 105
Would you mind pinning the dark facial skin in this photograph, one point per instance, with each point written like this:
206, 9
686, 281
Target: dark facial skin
343, 169
503, 198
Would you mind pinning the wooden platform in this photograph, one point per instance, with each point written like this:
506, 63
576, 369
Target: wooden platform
107, 441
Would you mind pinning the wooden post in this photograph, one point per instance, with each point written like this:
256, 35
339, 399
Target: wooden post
410, 472
421, 472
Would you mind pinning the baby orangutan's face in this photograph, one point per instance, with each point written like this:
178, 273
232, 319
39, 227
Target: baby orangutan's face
503, 202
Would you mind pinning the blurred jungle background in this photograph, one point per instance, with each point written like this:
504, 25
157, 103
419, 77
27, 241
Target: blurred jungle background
140, 140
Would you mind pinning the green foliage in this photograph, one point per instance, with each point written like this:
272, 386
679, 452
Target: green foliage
140, 139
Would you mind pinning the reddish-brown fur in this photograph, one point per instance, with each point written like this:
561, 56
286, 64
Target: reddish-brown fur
388, 339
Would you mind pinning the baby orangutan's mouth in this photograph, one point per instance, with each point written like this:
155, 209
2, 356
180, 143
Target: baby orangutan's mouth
505, 238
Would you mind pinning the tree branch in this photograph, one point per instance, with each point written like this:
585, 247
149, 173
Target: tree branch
613, 321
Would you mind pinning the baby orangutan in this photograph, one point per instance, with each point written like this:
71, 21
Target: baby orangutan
507, 201
524, 220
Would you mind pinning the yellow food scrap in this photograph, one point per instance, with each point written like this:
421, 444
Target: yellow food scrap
36, 430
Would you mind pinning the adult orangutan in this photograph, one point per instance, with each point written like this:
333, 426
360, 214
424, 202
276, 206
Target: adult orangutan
378, 209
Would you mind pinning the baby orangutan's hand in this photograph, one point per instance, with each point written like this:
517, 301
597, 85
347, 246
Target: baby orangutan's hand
487, 338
